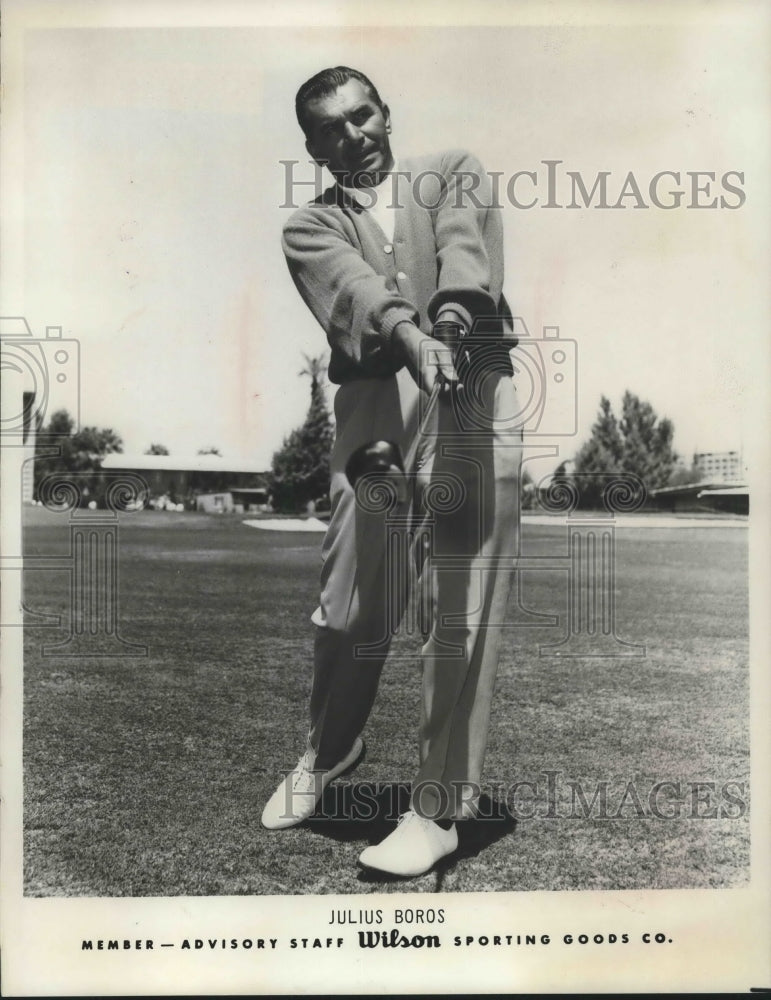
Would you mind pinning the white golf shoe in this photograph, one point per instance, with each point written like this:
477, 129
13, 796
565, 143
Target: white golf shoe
413, 848
297, 796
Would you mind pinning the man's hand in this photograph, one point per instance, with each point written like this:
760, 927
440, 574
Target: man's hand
426, 359
452, 331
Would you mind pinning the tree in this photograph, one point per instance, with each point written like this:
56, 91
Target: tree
209, 451
648, 451
78, 451
600, 456
300, 468
528, 491
157, 449
639, 444
683, 476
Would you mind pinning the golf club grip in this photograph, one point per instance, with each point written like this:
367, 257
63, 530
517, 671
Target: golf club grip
412, 454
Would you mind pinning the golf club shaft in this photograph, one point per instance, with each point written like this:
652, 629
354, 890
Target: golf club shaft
412, 454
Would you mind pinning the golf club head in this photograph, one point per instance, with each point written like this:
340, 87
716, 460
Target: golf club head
376, 456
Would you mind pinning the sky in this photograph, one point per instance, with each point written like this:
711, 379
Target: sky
152, 212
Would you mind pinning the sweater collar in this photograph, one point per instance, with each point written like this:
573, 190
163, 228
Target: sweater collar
356, 198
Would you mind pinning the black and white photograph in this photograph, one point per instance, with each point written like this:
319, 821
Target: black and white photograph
385, 499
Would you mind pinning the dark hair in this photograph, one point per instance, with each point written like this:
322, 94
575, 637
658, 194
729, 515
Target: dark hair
327, 82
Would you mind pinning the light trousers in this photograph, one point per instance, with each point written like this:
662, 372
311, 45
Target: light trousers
459, 525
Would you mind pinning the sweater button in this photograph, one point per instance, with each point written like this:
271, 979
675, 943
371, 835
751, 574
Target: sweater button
388, 248
401, 275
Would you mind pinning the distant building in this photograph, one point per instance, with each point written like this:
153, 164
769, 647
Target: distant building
728, 499
200, 482
215, 503
722, 486
720, 466
700, 497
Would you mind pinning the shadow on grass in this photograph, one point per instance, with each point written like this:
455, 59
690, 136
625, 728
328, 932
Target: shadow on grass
359, 810
367, 811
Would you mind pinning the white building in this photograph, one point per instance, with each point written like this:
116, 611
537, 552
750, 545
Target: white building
720, 466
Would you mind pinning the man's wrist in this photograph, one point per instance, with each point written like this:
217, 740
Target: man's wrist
458, 309
448, 314
405, 338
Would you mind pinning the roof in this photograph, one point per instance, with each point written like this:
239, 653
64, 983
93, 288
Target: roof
727, 491
180, 463
694, 488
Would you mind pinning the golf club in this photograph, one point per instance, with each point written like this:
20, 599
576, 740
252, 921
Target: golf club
385, 456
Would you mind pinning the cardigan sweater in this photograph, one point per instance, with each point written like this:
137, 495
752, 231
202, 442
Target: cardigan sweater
447, 251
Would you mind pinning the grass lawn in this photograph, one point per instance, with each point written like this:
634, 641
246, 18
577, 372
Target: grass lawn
147, 775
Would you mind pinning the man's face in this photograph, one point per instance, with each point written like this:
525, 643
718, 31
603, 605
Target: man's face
348, 133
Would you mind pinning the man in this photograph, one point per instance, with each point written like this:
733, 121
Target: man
399, 268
